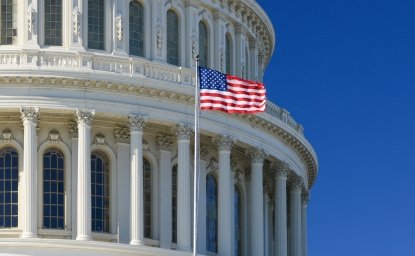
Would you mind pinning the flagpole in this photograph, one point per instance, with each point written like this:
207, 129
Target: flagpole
196, 158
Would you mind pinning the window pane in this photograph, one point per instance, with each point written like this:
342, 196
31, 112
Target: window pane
7, 20
100, 192
212, 213
9, 172
203, 45
53, 22
147, 198
96, 24
136, 28
228, 54
174, 204
238, 222
172, 38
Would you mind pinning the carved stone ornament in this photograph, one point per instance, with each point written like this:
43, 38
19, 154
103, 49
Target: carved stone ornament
257, 155
84, 116
280, 168
136, 122
222, 59
159, 37
76, 18
184, 131
54, 136
7, 135
30, 18
164, 141
204, 152
30, 114
213, 165
238, 176
224, 142
296, 182
73, 129
119, 26
100, 139
122, 134
195, 43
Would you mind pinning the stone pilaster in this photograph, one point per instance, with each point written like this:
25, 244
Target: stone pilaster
204, 153
295, 216
304, 205
29, 117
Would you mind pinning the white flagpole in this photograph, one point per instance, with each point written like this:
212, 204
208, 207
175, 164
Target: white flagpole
196, 159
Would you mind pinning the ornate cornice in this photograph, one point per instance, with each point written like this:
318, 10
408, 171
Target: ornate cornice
84, 116
136, 122
122, 134
30, 114
224, 142
164, 142
257, 155
183, 131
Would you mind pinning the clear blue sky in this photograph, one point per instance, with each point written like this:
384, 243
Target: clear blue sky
345, 69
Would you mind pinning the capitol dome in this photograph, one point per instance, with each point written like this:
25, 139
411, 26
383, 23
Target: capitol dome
96, 133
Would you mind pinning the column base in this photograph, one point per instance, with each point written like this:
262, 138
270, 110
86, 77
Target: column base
83, 238
28, 235
136, 242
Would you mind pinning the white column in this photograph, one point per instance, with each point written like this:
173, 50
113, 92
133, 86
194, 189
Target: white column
253, 64
202, 201
304, 204
137, 124
164, 143
295, 217
266, 227
84, 118
122, 139
281, 172
257, 201
184, 209
73, 131
30, 119
219, 47
225, 198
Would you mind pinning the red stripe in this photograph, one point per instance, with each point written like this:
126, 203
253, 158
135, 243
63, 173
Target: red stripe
232, 97
228, 104
252, 86
233, 111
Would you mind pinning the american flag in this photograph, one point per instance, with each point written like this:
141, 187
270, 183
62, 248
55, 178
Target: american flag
230, 94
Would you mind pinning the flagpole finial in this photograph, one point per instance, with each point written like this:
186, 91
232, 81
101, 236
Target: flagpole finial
197, 57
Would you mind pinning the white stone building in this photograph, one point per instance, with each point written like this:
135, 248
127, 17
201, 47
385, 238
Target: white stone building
96, 113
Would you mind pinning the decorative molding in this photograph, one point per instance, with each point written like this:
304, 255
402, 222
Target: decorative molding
30, 114
100, 140
224, 142
183, 131
204, 152
76, 20
136, 122
119, 22
73, 130
159, 37
7, 135
164, 142
296, 182
30, 18
122, 134
84, 116
239, 176
195, 44
280, 168
257, 155
213, 165
54, 136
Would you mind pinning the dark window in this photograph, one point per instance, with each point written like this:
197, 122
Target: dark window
53, 22
203, 45
53, 189
96, 24
212, 213
136, 28
238, 221
174, 204
228, 54
100, 192
8, 21
172, 38
9, 179
147, 198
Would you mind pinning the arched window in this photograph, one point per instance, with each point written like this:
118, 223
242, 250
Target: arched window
96, 24
228, 54
147, 198
136, 28
211, 213
100, 192
9, 179
8, 19
53, 189
172, 38
53, 22
203, 44
174, 204
237, 199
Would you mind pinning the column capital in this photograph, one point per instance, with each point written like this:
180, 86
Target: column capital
184, 131
84, 116
136, 122
122, 134
296, 182
164, 142
305, 197
204, 152
30, 114
257, 155
280, 168
224, 142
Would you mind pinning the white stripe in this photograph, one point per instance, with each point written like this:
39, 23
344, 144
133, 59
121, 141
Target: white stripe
232, 108
239, 102
239, 89
234, 81
239, 95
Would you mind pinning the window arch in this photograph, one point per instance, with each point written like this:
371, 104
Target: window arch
136, 11
96, 24
8, 21
211, 213
228, 54
53, 22
172, 38
9, 179
238, 220
53, 189
147, 198
100, 192
174, 203
203, 45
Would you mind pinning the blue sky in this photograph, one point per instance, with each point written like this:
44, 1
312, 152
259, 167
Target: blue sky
345, 69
